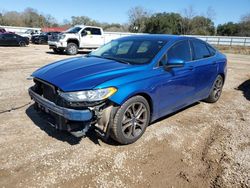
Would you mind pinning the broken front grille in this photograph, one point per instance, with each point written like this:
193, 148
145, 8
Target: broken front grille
54, 37
46, 90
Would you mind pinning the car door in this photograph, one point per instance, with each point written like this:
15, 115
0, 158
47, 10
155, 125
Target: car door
205, 65
93, 38
177, 85
4, 40
1, 40
10, 40
97, 37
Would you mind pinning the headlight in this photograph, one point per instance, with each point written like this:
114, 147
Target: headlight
89, 96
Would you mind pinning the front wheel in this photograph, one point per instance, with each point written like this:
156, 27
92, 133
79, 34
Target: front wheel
72, 49
40, 41
22, 44
215, 93
131, 120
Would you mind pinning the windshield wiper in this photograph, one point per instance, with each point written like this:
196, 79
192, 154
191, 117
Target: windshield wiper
110, 58
93, 56
116, 59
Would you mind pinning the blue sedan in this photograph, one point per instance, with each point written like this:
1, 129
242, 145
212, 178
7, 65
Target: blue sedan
123, 86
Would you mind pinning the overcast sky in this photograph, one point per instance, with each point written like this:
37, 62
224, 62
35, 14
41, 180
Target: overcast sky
116, 10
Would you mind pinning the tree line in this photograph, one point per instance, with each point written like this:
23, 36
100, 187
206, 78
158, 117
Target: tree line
187, 23
140, 20
236, 29
28, 18
32, 18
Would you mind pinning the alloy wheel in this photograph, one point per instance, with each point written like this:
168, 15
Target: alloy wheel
22, 44
134, 120
218, 87
72, 50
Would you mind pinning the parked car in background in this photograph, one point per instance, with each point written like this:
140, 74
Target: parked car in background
2, 30
124, 85
43, 37
11, 39
82, 37
30, 32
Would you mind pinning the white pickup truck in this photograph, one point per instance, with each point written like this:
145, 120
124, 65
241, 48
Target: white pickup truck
82, 37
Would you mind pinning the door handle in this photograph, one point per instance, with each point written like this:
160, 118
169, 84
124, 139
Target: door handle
214, 63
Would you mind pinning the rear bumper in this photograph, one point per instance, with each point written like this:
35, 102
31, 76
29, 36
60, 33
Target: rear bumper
69, 114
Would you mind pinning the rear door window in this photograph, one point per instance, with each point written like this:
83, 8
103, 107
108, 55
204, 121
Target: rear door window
200, 50
96, 31
93, 31
211, 50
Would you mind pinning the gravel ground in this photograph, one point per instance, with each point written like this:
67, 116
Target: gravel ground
204, 145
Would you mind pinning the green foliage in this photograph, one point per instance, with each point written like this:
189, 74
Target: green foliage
201, 25
174, 23
169, 23
137, 19
140, 20
244, 26
235, 29
244, 29
28, 18
32, 18
228, 29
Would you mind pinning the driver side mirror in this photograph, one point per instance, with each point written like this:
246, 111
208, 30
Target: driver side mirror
174, 63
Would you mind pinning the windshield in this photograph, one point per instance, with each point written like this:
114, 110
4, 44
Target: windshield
28, 31
132, 51
73, 30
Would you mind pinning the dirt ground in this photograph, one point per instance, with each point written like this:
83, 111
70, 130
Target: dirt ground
205, 145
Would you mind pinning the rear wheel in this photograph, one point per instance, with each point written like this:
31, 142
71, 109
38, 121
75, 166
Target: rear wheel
22, 44
216, 90
131, 120
72, 49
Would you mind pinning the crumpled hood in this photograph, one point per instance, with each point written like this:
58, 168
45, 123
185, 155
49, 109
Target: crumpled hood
81, 73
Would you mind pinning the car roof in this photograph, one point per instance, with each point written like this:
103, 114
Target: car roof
7, 33
163, 37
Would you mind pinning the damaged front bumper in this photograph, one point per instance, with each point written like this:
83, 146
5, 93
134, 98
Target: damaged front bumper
76, 121
69, 114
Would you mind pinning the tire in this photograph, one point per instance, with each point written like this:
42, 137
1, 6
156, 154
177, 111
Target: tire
71, 49
216, 91
22, 44
40, 41
131, 120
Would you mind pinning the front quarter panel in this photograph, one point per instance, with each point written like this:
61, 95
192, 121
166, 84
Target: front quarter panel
129, 85
143, 83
